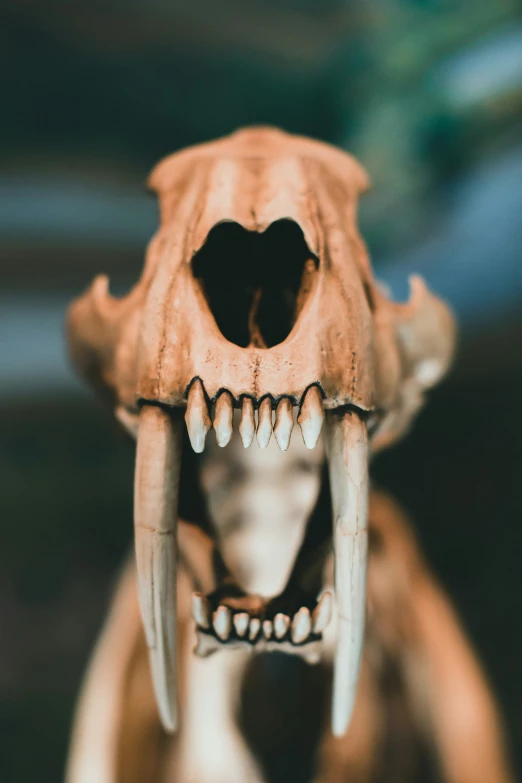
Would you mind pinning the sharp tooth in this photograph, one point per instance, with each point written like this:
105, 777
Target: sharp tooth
255, 625
301, 625
158, 460
284, 423
223, 416
322, 613
197, 416
241, 621
281, 625
223, 622
311, 416
267, 629
264, 427
347, 450
247, 426
200, 610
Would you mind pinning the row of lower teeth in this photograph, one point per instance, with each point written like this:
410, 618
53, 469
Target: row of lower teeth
199, 422
299, 627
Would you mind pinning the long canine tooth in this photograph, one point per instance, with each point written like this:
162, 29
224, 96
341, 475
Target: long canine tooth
322, 613
200, 610
301, 625
281, 625
247, 426
241, 621
223, 622
311, 416
284, 423
347, 450
197, 416
223, 417
264, 427
255, 625
156, 482
268, 628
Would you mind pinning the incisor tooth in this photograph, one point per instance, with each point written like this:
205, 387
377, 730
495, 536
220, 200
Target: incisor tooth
247, 426
301, 625
200, 611
267, 629
311, 416
222, 622
281, 625
197, 417
284, 423
223, 416
322, 613
255, 625
264, 427
241, 623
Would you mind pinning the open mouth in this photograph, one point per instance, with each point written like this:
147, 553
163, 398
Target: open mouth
293, 621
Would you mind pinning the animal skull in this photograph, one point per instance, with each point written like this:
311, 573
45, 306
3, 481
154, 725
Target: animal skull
257, 301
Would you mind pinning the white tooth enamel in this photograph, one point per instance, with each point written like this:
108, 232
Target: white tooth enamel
241, 621
197, 417
156, 483
281, 625
347, 450
284, 423
311, 416
301, 625
255, 625
322, 613
222, 622
264, 427
247, 426
200, 610
267, 629
223, 416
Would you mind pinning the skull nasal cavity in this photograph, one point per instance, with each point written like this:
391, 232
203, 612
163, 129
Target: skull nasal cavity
255, 284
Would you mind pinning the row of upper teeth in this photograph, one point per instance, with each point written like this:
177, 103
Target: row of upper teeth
297, 629
277, 418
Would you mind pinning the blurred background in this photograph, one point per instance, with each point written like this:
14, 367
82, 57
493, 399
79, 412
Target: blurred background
428, 94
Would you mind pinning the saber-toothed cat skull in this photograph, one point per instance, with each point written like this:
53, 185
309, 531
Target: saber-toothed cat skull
257, 297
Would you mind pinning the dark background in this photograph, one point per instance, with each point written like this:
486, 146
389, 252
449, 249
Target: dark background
428, 95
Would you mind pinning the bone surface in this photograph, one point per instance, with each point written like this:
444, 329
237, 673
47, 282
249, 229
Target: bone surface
223, 419
158, 458
264, 427
197, 416
247, 426
311, 417
284, 423
347, 451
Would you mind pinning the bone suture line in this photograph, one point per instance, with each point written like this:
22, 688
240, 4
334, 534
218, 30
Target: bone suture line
347, 451
158, 459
